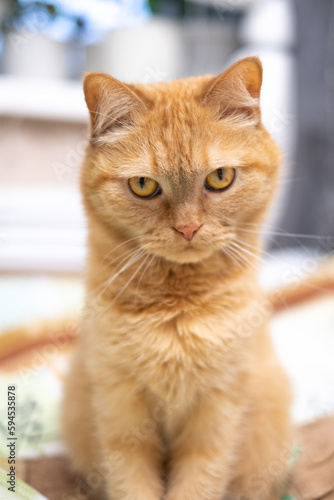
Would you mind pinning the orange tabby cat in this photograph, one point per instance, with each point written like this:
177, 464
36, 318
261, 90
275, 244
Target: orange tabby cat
175, 391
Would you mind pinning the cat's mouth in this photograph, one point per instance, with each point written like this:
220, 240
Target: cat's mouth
186, 252
190, 248
189, 254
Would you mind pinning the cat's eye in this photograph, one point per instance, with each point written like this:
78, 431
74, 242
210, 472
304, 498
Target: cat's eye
220, 179
144, 186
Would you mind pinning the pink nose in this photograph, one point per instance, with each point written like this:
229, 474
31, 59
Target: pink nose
187, 231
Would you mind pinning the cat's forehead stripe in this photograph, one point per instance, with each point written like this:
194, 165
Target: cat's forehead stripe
176, 143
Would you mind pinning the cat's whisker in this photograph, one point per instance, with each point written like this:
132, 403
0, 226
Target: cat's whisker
246, 251
309, 285
248, 261
235, 256
279, 260
130, 280
244, 242
150, 262
134, 257
120, 245
137, 254
232, 257
287, 234
241, 256
256, 249
321, 239
254, 224
262, 251
122, 256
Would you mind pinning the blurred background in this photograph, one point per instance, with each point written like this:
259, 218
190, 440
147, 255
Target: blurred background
46, 47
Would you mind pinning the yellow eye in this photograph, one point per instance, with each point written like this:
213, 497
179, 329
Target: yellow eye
143, 186
220, 179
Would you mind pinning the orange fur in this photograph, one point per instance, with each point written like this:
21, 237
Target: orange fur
175, 391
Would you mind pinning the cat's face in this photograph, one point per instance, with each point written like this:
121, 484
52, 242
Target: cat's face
181, 165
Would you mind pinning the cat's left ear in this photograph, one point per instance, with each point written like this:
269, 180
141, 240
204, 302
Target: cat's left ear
236, 92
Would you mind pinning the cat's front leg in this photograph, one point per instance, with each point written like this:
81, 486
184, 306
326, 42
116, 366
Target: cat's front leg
202, 453
131, 450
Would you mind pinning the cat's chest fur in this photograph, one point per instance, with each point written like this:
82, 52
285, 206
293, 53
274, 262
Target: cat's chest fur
175, 354
175, 333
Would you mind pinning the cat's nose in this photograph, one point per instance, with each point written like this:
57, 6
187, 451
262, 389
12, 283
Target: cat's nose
188, 231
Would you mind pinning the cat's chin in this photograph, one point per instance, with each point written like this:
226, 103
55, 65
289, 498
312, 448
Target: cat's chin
189, 255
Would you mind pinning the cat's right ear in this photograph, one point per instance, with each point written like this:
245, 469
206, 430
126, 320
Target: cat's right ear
112, 104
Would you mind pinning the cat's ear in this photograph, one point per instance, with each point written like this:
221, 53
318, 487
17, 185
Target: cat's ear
236, 92
112, 104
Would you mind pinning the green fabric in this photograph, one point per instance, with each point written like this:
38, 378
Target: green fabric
296, 450
22, 490
37, 410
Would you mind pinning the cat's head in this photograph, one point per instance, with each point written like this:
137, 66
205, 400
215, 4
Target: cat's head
182, 166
